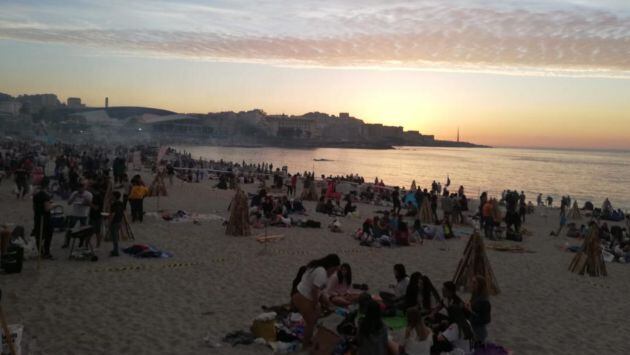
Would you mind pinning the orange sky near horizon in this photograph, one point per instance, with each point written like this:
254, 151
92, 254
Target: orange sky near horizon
546, 73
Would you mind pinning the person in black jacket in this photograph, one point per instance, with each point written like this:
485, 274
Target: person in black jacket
478, 310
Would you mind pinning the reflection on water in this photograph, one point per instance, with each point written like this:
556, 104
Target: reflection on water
585, 175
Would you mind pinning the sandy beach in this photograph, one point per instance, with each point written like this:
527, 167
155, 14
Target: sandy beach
215, 284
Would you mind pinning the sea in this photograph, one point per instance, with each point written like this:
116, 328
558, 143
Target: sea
585, 175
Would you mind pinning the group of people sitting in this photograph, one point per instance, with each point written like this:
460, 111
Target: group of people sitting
434, 323
393, 229
270, 210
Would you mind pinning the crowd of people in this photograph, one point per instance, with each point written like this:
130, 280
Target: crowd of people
436, 322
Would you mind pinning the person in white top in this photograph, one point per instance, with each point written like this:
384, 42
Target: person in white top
339, 287
418, 337
397, 298
458, 335
80, 201
310, 289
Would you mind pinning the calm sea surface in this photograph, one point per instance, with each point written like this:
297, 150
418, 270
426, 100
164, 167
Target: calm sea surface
584, 175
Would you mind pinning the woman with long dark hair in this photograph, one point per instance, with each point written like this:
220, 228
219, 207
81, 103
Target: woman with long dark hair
421, 293
372, 337
458, 334
450, 298
309, 291
339, 285
397, 298
478, 310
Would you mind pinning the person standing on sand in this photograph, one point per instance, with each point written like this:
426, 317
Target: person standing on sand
115, 221
41, 215
549, 201
294, 179
563, 221
309, 293
136, 198
482, 202
396, 200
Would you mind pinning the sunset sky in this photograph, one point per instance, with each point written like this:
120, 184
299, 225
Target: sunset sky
545, 73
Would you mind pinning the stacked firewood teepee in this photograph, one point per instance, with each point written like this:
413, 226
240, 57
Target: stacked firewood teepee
238, 224
158, 187
574, 214
590, 260
426, 215
309, 191
475, 262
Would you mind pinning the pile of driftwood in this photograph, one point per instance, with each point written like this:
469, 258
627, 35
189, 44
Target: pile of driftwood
238, 224
475, 262
309, 191
589, 259
426, 214
574, 213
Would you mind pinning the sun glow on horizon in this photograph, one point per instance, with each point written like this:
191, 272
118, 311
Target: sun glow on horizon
506, 73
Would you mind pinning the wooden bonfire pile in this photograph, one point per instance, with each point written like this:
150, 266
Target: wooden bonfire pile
426, 215
589, 259
238, 224
574, 214
475, 262
309, 192
158, 187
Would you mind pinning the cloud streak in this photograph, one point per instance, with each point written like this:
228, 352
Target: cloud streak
425, 34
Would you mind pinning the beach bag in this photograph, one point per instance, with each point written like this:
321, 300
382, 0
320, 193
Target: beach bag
12, 261
513, 236
265, 329
16, 331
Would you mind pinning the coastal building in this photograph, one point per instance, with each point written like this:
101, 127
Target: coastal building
379, 132
174, 126
417, 138
10, 108
74, 102
35, 103
283, 126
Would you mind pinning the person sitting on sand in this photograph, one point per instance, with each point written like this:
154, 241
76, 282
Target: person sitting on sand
349, 208
418, 337
339, 286
478, 309
457, 336
449, 299
421, 293
397, 298
372, 337
402, 233
309, 291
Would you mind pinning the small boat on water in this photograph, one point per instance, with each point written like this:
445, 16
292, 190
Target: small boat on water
322, 159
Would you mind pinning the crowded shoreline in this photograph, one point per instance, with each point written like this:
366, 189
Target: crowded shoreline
237, 271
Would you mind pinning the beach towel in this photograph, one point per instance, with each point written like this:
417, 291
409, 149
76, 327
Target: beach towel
397, 322
146, 251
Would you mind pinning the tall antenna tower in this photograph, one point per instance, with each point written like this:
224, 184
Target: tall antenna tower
458, 134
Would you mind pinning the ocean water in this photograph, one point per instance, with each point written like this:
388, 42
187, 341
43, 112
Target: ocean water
584, 175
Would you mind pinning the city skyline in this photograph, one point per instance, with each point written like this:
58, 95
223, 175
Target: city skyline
536, 74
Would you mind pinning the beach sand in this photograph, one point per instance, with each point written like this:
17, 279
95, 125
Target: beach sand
215, 284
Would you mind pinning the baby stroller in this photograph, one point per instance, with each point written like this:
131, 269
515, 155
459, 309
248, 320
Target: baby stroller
82, 234
57, 218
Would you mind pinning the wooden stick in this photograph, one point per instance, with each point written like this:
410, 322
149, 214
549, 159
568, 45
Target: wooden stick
41, 242
7, 333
